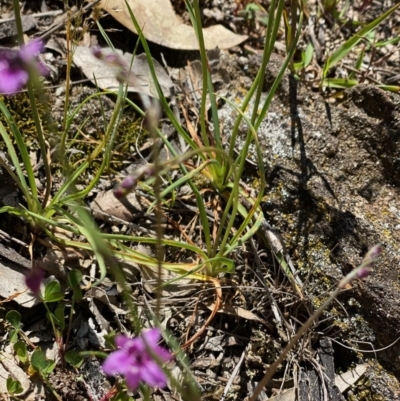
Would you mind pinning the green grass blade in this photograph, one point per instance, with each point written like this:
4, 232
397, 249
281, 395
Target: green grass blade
115, 241
390, 88
274, 20
279, 77
30, 191
164, 103
86, 226
339, 83
181, 181
195, 17
235, 185
347, 46
171, 117
360, 58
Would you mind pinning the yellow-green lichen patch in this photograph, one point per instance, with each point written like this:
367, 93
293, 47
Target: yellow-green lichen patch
128, 136
86, 132
372, 386
21, 111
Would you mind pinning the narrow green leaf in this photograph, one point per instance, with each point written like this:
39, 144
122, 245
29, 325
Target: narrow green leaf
30, 189
307, 55
48, 367
339, 83
223, 265
347, 46
77, 294
391, 88
360, 59
178, 126
298, 66
391, 41
59, 313
54, 297
14, 336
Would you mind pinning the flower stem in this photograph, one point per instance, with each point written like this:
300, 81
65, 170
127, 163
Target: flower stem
360, 272
36, 117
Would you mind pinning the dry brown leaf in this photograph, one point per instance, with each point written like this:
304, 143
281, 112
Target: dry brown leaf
287, 395
347, 379
9, 368
239, 312
179, 288
190, 77
161, 25
103, 74
12, 284
343, 382
106, 205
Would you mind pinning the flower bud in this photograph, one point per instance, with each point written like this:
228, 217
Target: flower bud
125, 187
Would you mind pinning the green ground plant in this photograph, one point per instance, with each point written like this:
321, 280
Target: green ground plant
348, 46
222, 167
35, 362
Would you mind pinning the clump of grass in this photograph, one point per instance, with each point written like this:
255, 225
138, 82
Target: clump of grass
345, 48
221, 169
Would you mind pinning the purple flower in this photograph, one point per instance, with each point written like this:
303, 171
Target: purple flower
15, 66
34, 280
110, 57
372, 255
130, 181
134, 362
125, 187
363, 272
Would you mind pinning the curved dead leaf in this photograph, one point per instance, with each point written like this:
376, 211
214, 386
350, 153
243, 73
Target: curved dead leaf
105, 205
237, 311
161, 25
104, 75
8, 367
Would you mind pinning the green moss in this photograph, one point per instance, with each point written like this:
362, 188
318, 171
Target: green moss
363, 391
20, 109
81, 145
129, 135
256, 183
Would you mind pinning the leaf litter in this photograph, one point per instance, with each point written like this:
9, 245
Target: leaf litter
246, 312
161, 25
104, 75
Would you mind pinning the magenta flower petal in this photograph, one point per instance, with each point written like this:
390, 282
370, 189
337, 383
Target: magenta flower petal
118, 362
147, 338
363, 272
31, 50
125, 187
12, 81
97, 52
133, 378
109, 58
134, 360
151, 337
153, 375
42, 69
34, 280
122, 341
163, 354
16, 64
